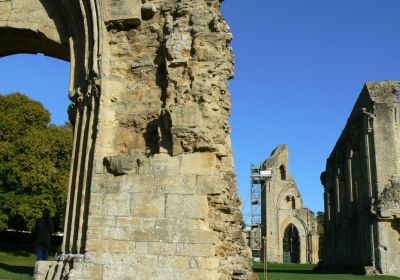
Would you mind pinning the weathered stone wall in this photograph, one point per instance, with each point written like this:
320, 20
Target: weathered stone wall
361, 185
152, 192
282, 206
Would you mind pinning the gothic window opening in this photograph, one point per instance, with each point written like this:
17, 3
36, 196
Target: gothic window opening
290, 202
282, 171
291, 245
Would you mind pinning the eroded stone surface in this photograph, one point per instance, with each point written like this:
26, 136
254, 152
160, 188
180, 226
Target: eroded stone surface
152, 193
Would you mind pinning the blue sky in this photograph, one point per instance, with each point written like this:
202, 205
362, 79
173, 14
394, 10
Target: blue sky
300, 66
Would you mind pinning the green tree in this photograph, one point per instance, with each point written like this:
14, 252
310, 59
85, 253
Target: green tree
34, 163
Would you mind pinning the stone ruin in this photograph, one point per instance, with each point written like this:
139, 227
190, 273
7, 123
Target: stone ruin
362, 186
152, 190
290, 228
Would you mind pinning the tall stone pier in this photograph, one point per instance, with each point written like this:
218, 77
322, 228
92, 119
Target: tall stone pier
362, 185
152, 190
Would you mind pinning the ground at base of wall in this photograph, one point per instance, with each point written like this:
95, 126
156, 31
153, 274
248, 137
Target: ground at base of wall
306, 272
19, 265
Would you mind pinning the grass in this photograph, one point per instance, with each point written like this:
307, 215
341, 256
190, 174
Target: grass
19, 264
306, 272
16, 264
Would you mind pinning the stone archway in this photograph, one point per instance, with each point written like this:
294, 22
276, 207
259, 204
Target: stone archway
291, 245
59, 29
152, 190
300, 227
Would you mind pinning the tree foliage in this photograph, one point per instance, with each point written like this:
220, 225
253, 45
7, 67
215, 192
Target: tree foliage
34, 162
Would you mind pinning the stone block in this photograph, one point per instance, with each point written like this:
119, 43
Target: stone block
4, 15
161, 248
126, 222
148, 223
97, 245
129, 183
141, 235
198, 164
116, 204
201, 250
17, 4
148, 261
187, 224
170, 184
205, 275
128, 139
118, 246
91, 271
200, 236
147, 205
31, 5
96, 203
115, 233
41, 269
176, 262
94, 233
101, 221
209, 185
186, 206
204, 263
119, 272
186, 117
164, 164
142, 183
137, 247
5, 6
103, 258
127, 11
119, 165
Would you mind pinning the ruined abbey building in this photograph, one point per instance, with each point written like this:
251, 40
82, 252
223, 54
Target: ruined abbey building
152, 190
290, 230
362, 185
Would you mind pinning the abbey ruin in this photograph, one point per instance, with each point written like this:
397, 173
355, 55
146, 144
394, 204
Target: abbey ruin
152, 189
288, 230
362, 185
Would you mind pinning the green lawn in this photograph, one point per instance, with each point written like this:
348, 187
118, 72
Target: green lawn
305, 272
16, 265
19, 265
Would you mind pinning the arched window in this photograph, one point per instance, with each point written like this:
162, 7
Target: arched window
291, 245
290, 202
282, 171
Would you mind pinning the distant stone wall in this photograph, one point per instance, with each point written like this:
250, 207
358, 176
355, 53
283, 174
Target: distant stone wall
361, 185
152, 191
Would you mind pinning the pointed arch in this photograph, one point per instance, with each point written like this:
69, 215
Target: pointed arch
66, 30
291, 244
283, 172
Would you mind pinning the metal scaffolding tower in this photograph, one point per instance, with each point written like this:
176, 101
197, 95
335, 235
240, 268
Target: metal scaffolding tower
258, 177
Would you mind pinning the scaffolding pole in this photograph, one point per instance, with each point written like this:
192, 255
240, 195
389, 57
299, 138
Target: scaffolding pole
258, 178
